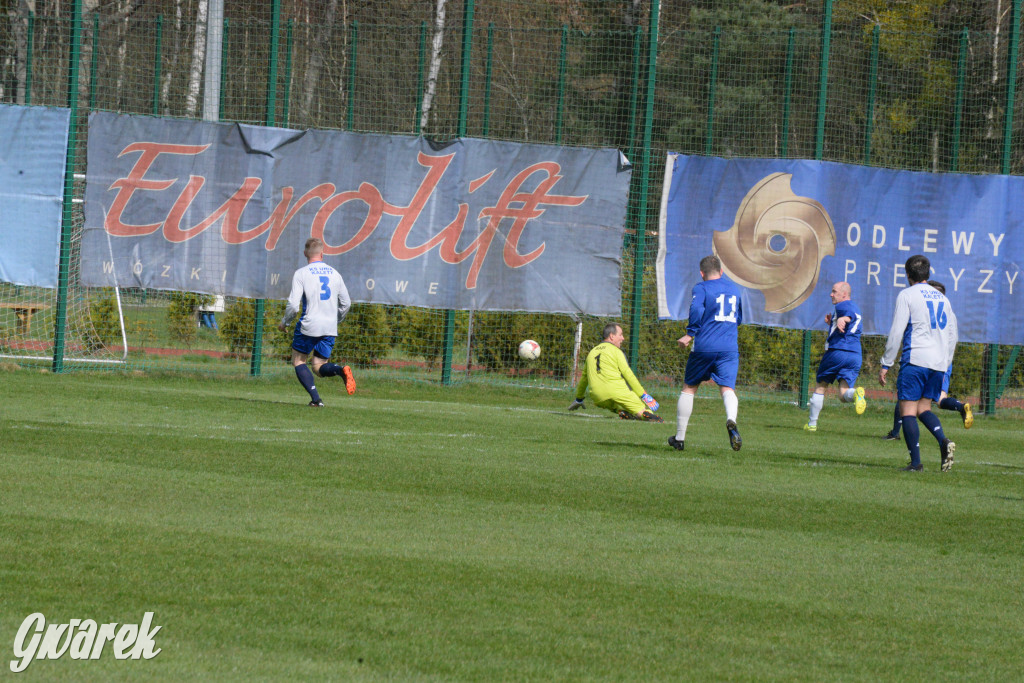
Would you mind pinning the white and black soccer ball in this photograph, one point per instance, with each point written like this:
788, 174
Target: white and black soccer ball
529, 350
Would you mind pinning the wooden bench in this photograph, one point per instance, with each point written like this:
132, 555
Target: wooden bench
24, 310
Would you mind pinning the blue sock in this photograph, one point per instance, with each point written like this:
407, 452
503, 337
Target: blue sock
330, 370
305, 376
931, 422
950, 403
912, 435
897, 420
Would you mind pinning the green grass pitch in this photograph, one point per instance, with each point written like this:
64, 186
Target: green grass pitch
416, 532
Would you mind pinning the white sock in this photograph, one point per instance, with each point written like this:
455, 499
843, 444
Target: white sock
732, 404
683, 411
848, 396
817, 401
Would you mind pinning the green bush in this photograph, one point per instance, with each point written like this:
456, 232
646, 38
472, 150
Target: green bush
105, 321
237, 327
496, 339
182, 323
422, 331
364, 337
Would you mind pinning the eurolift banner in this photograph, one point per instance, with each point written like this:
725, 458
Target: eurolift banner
225, 208
33, 154
787, 230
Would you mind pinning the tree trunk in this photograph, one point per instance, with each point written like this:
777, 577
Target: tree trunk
16, 61
195, 72
435, 63
168, 73
316, 59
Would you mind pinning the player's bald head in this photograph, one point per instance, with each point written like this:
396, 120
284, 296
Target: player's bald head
841, 292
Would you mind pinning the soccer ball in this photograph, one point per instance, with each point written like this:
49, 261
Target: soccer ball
529, 350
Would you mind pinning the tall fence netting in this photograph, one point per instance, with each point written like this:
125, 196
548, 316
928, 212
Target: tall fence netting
900, 91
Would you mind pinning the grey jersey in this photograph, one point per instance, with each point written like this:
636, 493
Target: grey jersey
319, 293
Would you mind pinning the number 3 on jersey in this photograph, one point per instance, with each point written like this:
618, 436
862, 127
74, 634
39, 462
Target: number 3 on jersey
722, 316
325, 288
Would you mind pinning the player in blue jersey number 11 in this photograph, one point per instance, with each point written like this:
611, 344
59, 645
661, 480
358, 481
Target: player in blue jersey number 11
716, 312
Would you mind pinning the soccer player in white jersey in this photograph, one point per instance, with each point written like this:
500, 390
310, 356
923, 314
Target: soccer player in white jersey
924, 323
946, 402
320, 295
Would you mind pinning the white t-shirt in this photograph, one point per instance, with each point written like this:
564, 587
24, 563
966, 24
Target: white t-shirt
319, 293
924, 323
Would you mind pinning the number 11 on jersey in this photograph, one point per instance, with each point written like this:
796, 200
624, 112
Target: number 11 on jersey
722, 301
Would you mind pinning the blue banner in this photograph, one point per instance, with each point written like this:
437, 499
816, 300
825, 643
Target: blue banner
33, 151
469, 224
786, 230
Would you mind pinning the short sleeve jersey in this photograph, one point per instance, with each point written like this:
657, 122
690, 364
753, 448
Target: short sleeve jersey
319, 294
716, 312
850, 339
925, 325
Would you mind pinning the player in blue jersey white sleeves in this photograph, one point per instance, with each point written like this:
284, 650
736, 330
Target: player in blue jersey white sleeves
842, 358
320, 295
924, 323
716, 313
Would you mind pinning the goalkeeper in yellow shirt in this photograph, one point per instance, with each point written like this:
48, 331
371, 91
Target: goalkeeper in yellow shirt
612, 384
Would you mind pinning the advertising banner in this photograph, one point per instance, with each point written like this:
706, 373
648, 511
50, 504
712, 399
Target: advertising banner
472, 224
33, 153
786, 230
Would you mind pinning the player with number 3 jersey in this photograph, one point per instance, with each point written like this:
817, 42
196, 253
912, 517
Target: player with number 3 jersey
319, 294
716, 312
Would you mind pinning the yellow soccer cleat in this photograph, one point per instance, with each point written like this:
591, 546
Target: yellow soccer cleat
860, 404
967, 415
810, 428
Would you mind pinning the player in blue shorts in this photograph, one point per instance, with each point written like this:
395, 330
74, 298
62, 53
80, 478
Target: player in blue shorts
842, 358
716, 313
946, 402
320, 295
925, 325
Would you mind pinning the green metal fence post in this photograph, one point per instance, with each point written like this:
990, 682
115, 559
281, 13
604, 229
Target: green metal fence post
29, 40
157, 59
634, 89
787, 98
826, 46
64, 262
350, 115
288, 48
958, 116
639, 244
94, 61
990, 358
421, 64
488, 75
869, 113
709, 129
256, 363
819, 151
448, 345
560, 112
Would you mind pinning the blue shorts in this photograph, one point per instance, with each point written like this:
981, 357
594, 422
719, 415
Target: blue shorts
837, 364
915, 383
945, 380
720, 366
321, 346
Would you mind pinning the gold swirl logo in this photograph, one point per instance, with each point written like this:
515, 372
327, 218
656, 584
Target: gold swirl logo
777, 243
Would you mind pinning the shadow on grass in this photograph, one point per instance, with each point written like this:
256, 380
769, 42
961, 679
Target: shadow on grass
839, 461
